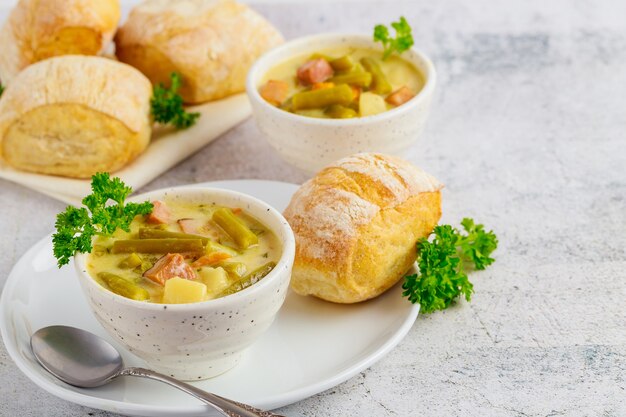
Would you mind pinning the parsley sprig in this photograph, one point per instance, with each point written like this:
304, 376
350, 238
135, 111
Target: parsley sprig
442, 262
1, 89
77, 226
399, 44
167, 105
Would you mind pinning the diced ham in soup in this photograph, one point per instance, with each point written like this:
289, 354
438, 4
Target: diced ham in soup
160, 213
315, 71
170, 266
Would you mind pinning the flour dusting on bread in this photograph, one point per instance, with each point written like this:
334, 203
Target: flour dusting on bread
186, 8
332, 216
400, 177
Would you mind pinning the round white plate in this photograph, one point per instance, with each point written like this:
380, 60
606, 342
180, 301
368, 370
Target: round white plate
312, 346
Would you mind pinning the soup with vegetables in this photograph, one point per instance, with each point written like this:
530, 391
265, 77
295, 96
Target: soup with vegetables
184, 252
341, 83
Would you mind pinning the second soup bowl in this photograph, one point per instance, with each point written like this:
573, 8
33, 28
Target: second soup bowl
311, 143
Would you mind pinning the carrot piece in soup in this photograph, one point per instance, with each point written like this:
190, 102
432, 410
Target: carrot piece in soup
321, 86
160, 213
211, 259
400, 96
315, 71
170, 266
275, 92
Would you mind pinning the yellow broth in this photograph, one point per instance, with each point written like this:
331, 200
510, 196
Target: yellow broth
399, 73
267, 250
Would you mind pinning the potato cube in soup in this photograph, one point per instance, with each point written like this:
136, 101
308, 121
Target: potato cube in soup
180, 291
371, 104
215, 279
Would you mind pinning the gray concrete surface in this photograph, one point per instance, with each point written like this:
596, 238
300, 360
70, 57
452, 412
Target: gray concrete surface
528, 131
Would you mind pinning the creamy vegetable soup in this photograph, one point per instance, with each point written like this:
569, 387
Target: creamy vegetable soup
185, 253
341, 83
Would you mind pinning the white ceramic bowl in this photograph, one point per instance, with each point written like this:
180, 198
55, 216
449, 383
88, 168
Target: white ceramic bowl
312, 143
199, 340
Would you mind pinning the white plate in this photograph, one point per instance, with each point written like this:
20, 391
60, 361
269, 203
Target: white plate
312, 346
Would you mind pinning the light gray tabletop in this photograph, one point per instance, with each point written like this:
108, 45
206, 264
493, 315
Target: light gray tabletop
528, 132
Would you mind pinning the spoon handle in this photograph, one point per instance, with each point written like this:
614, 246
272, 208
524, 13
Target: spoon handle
225, 406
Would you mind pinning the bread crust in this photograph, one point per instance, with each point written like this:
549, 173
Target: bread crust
356, 225
74, 116
212, 44
37, 30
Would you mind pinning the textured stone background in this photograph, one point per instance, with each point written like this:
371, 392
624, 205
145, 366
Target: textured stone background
528, 133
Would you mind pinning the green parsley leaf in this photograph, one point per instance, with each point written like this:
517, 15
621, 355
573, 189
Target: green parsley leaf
167, 105
1, 89
399, 44
477, 245
77, 226
442, 261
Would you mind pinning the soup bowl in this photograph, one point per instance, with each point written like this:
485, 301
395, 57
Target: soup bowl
198, 340
311, 143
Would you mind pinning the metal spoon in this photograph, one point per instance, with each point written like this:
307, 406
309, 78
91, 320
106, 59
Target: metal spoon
83, 359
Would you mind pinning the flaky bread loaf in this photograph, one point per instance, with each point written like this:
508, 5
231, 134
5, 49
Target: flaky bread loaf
40, 29
74, 116
356, 225
211, 43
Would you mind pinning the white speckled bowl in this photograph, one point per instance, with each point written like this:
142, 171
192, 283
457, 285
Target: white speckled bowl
312, 143
200, 340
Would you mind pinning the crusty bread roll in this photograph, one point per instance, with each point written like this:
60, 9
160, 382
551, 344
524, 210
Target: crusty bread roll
356, 225
74, 116
40, 29
211, 43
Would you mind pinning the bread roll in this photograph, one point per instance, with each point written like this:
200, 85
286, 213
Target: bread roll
211, 43
40, 29
356, 225
74, 116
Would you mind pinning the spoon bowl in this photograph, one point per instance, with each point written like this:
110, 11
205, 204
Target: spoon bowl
76, 356
82, 359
